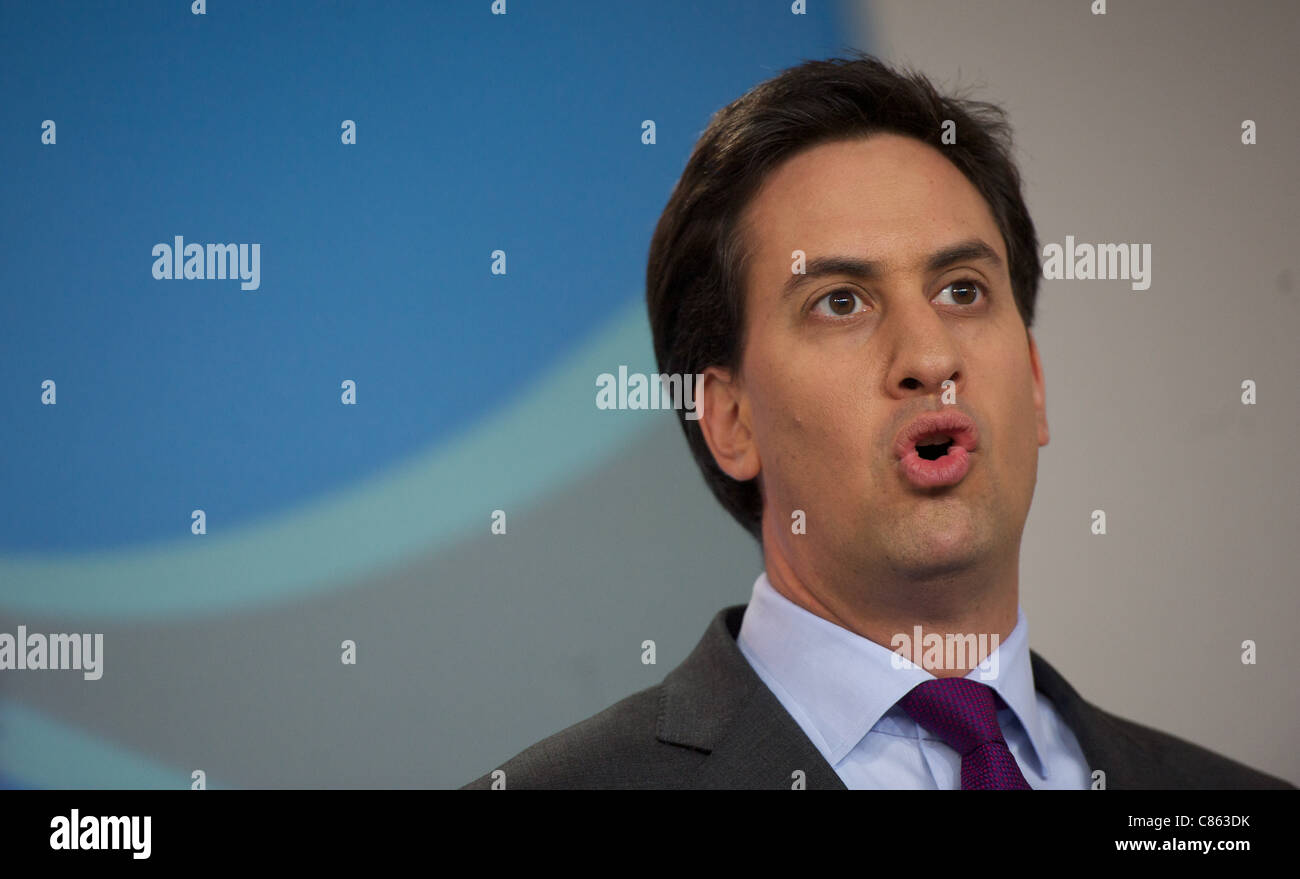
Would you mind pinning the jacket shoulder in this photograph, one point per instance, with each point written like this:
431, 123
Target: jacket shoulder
1135, 756
616, 748
1171, 762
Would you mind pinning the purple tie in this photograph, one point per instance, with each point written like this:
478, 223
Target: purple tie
964, 714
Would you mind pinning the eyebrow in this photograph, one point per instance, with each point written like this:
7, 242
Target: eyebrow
820, 267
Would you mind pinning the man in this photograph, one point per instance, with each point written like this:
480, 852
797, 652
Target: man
848, 262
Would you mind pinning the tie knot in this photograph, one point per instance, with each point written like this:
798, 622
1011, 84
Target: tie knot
962, 712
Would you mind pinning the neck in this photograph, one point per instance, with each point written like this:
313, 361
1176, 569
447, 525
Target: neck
976, 605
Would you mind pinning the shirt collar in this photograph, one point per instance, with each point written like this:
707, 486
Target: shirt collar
844, 683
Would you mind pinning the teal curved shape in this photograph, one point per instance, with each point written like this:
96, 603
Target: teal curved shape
52, 755
550, 433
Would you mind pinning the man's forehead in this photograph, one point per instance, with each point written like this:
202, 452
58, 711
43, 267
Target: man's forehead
858, 167
904, 207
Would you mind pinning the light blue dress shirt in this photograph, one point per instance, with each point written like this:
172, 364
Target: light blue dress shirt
842, 688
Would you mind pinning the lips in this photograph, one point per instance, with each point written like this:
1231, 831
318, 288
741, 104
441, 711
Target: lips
948, 437
950, 423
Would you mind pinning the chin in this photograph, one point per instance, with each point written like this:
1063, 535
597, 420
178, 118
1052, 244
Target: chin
935, 558
938, 565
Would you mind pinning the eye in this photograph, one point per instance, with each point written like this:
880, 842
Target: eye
967, 289
841, 302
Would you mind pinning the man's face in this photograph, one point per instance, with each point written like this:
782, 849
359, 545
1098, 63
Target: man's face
833, 370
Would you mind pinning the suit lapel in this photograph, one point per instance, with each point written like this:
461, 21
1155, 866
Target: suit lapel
1106, 745
714, 703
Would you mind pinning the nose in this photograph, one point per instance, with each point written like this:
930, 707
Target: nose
924, 352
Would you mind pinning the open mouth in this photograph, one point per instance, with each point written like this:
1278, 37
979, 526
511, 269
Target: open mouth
934, 447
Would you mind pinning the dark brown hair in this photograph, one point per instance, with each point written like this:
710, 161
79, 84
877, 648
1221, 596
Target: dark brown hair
698, 255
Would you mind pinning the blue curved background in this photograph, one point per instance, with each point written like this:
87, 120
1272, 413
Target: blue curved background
475, 133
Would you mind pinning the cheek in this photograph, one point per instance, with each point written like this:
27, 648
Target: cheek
807, 420
1019, 424
785, 417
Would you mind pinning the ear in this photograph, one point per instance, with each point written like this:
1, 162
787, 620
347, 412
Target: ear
725, 423
1040, 390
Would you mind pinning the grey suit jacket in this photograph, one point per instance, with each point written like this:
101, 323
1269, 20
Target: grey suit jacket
713, 723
